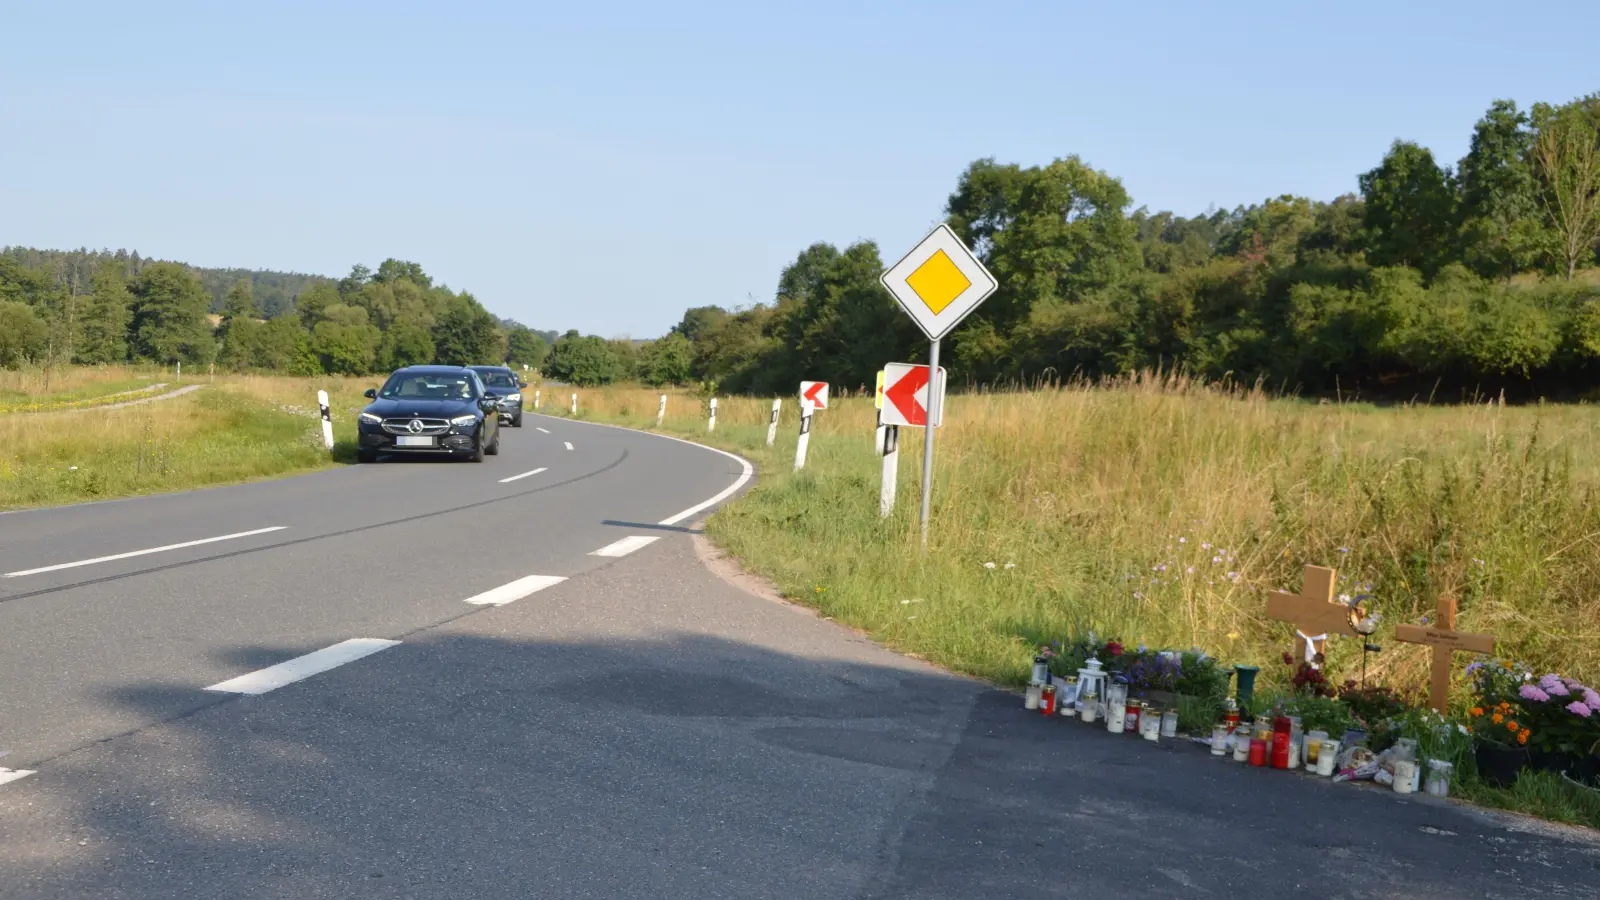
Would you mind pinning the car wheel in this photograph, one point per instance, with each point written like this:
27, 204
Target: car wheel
364, 455
516, 420
477, 447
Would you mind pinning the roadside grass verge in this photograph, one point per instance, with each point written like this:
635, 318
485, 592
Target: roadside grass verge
239, 429
1163, 511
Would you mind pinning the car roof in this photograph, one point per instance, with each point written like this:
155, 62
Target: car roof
441, 370
490, 368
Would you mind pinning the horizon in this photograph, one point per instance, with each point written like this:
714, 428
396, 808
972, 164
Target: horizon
575, 171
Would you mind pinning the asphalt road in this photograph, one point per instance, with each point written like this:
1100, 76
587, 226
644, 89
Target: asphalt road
642, 728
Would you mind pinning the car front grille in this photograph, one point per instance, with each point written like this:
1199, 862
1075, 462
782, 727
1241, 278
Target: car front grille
403, 425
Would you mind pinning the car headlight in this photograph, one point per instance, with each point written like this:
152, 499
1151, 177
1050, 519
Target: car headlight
371, 419
463, 421
513, 398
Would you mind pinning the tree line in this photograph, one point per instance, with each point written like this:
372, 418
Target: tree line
1430, 277
101, 308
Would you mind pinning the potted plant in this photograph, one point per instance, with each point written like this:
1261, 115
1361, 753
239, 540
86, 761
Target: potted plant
1376, 711
1500, 734
1499, 743
1564, 715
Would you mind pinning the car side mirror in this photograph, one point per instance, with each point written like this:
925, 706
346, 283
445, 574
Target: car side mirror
521, 383
370, 393
489, 404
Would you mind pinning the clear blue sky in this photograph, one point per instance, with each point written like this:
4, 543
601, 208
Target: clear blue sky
602, 166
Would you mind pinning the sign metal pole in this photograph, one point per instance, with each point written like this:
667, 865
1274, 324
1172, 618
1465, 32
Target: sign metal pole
927, 445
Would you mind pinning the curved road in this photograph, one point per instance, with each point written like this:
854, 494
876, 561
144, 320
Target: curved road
357, 552
519, 679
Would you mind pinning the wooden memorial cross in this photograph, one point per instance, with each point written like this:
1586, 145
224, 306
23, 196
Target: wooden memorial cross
1313, 612
1445, 640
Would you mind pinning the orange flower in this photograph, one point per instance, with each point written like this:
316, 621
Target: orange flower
1513, 727
1477, 710
1498, 718
1522, 738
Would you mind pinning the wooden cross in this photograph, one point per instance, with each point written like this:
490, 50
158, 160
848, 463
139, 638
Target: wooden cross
1313, 611
1445, 640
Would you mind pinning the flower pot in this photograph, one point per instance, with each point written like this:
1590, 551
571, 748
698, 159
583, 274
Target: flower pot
1499, 765
1550, 760
1586, 771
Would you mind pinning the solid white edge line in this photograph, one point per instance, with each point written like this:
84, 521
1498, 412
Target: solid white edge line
10, 775
545, 430
523, 475
568, 443
627, 545
516, 590
301, 667
748, 473
129, 555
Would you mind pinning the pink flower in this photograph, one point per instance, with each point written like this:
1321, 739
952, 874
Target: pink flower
1548, 681
1529, 692
1578, 709
1559, 690
1591, 699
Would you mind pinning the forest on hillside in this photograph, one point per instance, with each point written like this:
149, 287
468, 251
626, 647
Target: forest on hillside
274, 291
1430, 279
98, 308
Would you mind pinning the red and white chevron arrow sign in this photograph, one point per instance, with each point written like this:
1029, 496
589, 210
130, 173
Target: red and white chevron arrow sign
816, 392
908, 395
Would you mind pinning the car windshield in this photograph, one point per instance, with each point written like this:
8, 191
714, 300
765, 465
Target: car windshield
498, 379
428, 386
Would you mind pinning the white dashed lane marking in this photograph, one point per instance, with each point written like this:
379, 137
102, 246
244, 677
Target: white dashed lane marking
545, 430
516, 590
10, 775
523, 475
273, 677
133, 553
626, 545
568, 443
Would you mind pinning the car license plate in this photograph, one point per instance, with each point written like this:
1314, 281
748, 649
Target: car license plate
411, 441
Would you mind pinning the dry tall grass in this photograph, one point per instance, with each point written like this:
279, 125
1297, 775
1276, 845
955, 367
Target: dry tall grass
235, 430
1164, 510
35, 389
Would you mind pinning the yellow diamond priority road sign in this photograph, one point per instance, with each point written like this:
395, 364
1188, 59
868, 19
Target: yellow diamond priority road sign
939, 282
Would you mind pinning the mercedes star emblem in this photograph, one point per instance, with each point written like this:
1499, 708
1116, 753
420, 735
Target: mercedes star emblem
415, 426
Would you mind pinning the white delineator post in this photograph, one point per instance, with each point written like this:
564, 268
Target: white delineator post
890, 447
772, 426
661, 411
327, 420
535, 399
712, 425
180, 371
574, 404
805, 435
